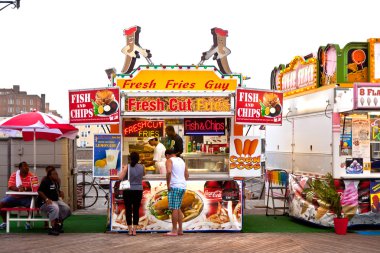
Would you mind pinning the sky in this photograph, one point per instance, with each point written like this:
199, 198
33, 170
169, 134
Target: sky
51, 47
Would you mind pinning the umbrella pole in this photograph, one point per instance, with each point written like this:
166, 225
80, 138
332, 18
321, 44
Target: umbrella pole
34, 150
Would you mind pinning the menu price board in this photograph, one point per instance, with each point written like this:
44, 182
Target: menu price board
94, 106
206, 205
258, 107
366, 96
245, 156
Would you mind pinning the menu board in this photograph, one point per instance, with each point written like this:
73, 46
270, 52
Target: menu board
206, 205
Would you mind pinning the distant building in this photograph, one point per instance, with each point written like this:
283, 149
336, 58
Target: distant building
86, 134
13, 101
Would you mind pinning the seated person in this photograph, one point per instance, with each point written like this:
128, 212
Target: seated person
49, 194
19, 181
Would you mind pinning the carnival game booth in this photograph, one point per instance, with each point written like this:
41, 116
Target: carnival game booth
331, 114
198, 101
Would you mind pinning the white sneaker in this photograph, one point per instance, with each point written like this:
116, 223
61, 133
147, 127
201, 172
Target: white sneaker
3, 225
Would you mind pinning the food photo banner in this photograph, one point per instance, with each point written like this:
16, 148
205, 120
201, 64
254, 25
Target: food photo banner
206, 206
107, 155
94, 106
258, 107
177, 104
245, 156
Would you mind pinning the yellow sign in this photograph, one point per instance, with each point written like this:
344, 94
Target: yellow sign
179, 79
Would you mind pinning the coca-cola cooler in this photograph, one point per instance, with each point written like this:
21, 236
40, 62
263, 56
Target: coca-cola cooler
211, 205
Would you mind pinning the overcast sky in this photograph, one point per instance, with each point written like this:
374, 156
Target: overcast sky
53, 46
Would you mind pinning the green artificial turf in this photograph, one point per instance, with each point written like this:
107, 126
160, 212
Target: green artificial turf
73, 224
279, 224
251, 224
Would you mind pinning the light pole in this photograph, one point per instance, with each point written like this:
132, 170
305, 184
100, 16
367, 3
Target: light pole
16, 4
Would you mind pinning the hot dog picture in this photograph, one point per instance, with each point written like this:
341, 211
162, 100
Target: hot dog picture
246, 147
238, 146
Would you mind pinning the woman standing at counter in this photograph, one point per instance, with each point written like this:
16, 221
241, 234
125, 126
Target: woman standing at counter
132, 197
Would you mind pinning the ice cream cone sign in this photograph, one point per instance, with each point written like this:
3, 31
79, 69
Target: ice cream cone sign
245, 156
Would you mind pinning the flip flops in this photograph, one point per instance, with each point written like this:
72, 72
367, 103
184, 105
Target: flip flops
170, 234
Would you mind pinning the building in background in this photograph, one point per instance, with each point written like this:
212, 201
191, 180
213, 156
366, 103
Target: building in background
13, 102
86, 134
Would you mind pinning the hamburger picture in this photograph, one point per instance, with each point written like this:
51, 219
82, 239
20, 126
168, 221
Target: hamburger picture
191, 206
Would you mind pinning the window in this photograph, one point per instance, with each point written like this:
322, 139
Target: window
18, 110
10, 109
24, 102
11, 101
17, 101
31, 102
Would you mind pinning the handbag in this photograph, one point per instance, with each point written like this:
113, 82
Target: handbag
125, 184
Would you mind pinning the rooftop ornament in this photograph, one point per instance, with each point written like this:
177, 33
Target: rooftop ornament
16, 4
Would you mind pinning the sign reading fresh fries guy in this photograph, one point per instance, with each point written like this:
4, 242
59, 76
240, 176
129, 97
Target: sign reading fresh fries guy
245, 156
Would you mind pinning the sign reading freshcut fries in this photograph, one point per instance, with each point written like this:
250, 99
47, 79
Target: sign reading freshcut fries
206, 206
258, 107
245, 156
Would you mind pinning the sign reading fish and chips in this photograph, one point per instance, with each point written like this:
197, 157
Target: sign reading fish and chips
94, 106
258, 107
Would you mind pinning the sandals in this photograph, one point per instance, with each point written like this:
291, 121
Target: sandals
134, 232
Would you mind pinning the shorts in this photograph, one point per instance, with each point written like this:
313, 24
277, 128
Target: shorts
10, 201
175, 196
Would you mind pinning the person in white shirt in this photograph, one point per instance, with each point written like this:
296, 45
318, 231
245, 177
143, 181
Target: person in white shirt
158, 154
176, 176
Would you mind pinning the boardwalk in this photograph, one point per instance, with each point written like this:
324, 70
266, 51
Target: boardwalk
195, 242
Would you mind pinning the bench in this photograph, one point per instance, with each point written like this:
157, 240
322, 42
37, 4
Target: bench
18, 218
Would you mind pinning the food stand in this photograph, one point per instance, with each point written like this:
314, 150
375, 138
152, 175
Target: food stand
198, 101
331, 112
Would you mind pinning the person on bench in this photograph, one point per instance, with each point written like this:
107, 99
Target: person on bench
49, 194
18, 181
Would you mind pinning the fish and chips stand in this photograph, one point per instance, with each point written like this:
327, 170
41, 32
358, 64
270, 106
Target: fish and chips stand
331, 114
199, 103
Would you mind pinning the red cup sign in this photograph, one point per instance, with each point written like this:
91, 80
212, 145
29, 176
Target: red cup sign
258, 107
34, 183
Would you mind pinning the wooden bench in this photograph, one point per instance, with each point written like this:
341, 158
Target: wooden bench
19, 218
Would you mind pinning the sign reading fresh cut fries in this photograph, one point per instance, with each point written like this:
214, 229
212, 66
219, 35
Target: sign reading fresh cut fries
245, 156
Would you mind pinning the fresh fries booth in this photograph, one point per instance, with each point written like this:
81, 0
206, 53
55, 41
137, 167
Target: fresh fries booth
198, 101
